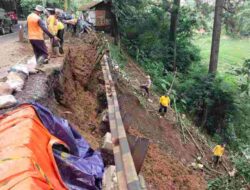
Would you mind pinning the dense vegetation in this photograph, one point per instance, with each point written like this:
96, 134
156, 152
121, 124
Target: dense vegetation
220, 104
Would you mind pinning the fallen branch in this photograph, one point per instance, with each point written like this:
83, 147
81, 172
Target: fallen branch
179, 120
171, 86
222, 163
212, 170
197, 146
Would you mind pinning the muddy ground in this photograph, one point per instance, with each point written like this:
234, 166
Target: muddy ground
76, 92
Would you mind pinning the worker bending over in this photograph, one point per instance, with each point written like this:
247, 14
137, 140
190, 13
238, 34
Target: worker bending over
164, 104
147, 85
36, 28
218, 151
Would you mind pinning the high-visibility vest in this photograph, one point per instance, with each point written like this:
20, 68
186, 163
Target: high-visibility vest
35, 32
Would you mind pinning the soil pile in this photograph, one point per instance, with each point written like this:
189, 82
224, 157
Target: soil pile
166, 163
79, 88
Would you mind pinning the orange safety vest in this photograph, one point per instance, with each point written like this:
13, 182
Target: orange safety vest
35, 32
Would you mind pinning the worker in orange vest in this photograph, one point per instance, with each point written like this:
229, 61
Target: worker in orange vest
36, 28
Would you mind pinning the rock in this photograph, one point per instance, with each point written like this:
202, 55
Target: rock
7, 101
5, 89
109, 180
107, 142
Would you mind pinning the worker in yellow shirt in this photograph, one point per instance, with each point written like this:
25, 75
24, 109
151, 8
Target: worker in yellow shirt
164, 104
218, 151
51, 21
60, 32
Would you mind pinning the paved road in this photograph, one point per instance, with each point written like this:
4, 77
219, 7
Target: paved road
13, 36
11, 51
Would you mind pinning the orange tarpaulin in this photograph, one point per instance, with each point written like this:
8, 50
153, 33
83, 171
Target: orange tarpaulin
26, 157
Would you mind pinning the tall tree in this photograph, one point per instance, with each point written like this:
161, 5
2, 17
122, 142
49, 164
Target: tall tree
172, 35
216, 36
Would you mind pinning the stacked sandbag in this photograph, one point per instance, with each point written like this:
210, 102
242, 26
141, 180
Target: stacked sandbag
17, 77
15, 82
5, 89
31, 65
7, 101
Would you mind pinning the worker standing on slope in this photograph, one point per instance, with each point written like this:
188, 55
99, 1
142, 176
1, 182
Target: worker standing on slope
36, 28
147, 85
218, 151
52, 23
60, 31
164, 104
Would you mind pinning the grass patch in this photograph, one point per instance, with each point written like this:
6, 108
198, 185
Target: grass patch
233, 52
116, 55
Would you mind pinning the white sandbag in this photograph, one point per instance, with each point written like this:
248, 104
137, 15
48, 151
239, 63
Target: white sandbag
5, 89
7, 101
15, 81
31, 65
20, 68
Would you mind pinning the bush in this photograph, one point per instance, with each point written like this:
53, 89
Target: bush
239, 181
209, 100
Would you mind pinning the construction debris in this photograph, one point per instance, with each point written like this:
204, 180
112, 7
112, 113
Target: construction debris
109, 181
107, 142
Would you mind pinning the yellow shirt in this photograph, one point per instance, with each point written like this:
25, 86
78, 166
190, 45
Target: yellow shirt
165, 101
52, 24
60, 25
218, 150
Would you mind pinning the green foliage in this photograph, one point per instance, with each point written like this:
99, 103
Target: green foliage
236, 21
117, 55
144, 30
243, 167
29, 5
239, 181
204, 92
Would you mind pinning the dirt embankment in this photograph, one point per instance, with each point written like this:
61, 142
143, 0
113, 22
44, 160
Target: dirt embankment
164, 167
78, 89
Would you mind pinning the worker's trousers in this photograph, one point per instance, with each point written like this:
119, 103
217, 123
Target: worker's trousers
39, 48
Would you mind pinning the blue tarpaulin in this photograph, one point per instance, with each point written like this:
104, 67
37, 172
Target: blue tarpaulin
81, 168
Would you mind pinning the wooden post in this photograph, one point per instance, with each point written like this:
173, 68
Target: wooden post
21, 33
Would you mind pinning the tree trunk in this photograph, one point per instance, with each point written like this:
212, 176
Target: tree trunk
216, 36
172, 35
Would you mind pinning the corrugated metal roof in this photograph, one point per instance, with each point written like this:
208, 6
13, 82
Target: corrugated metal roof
89, 5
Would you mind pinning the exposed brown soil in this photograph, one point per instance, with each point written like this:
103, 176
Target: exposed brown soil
166, 163
78, 88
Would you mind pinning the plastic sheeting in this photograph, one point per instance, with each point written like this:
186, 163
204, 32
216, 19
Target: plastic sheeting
26, 155
82, 168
